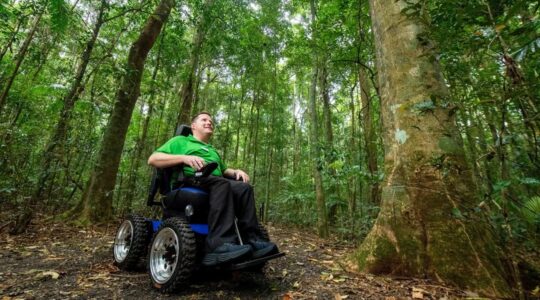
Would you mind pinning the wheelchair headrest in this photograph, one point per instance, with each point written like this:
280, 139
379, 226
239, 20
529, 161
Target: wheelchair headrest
183, 129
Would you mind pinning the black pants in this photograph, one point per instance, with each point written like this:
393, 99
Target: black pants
229, 199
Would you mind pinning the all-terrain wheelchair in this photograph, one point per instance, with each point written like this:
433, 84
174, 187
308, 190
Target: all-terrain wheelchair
174, 245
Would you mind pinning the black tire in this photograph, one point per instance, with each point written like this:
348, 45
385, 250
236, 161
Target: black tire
131, 242
172, 256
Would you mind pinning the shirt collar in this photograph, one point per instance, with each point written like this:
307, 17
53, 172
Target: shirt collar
192, 138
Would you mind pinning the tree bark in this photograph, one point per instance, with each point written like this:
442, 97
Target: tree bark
328, 139
97, 197
352, 161
322, 217
427, 226
142, 140
366, 114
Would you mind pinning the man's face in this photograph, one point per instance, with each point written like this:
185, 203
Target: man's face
203, 124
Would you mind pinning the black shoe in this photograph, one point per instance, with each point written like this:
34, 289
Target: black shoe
225, 253
262, 248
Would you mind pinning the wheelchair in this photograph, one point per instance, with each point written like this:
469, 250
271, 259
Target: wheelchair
174, 245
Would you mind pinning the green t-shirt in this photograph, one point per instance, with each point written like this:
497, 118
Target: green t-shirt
188, 145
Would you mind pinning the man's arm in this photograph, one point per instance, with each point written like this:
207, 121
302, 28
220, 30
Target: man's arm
164, 160
236, 174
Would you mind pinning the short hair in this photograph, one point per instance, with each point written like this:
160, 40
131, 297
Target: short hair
200, 113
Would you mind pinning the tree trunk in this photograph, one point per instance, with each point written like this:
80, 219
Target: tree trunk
427, 226
53, 154
20, 57
228, 129
322, 217
254, 143
188, 86
352, 161
141, 141
97, 197
328, 140
366, 114
7, 46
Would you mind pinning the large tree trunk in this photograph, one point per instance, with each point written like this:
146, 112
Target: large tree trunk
97, 197
427, 226
322, 217
142, 140
20, 57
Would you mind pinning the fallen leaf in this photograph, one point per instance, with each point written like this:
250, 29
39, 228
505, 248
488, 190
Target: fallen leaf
52, 274
287, 296
326, 276
340, 279
296, 284
418, 293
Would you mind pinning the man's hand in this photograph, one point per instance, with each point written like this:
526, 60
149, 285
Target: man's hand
194, 161
241, 175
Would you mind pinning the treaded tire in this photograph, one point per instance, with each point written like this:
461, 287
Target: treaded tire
131, 242
172, 256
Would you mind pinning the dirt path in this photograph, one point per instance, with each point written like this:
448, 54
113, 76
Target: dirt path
54, 261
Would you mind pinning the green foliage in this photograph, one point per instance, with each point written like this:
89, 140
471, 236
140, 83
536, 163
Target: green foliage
531, 211
59, 12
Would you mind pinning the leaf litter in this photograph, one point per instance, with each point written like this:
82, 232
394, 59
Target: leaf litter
56, 261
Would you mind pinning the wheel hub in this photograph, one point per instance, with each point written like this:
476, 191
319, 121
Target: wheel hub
164, 255
123, 240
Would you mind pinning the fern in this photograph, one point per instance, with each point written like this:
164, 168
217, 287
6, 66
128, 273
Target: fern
531, 210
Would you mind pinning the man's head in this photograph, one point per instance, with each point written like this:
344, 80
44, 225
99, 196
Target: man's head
202, 126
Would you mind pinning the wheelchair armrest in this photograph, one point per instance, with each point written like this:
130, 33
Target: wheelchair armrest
160, 182
162, 177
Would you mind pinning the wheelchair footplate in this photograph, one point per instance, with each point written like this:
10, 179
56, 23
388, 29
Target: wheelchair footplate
254, 262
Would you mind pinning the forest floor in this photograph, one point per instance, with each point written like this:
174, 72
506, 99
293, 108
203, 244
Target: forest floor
56, 261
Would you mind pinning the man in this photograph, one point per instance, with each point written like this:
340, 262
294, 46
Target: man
227, 198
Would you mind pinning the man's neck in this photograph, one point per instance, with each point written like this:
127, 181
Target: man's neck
202, 137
